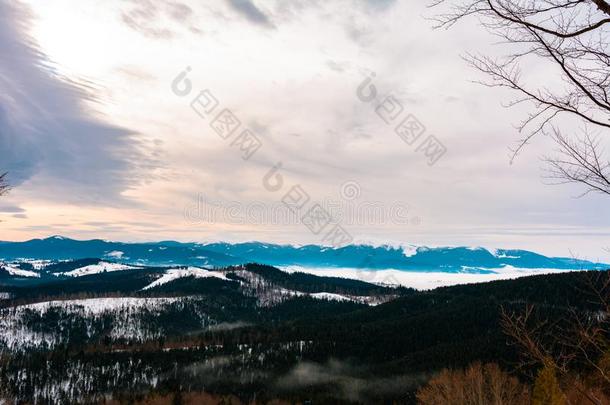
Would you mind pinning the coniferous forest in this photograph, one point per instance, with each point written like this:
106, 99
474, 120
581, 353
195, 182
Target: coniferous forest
256, 334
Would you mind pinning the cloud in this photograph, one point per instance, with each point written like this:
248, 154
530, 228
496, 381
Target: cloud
295, 87
157, 19
346, 381
379, 5
252, 13
136, 73
224, 326
10, 209
47, 134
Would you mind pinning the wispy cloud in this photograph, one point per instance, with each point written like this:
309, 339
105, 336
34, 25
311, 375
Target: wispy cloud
248, 9
47, 132
155, 19
379, 4
10, 209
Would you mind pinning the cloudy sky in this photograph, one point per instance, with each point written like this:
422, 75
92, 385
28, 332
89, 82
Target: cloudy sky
101, 138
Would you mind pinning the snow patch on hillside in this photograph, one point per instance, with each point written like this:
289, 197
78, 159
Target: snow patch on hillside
409, 250
501, 254
96, 306
101, 267
14, 271
116, 254
360, 299
174, 274
37, 264
329, 296
19, 332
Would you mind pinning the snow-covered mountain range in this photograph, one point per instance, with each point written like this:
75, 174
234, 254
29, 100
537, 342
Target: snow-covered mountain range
405, 258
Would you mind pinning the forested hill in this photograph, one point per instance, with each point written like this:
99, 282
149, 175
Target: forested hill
256, 332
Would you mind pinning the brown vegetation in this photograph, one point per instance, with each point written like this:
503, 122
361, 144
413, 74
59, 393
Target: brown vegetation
477, 385
573, 354
192, 398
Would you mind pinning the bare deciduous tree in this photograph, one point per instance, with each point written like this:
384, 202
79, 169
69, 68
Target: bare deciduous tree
4, 187
580, 341
567, 40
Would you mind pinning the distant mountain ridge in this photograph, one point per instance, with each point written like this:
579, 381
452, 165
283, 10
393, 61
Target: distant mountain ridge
219, 254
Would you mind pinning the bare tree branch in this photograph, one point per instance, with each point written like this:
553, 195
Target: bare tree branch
579, 161
4, 187
569, 39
